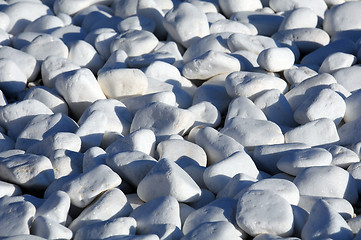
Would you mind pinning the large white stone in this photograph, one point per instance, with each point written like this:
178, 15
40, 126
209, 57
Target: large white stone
318, 6
85, 55
337, 61
276, 59
244, 108
253, 43
299, 18
50, 229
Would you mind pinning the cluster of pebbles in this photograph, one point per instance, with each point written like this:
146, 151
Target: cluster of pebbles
197, 119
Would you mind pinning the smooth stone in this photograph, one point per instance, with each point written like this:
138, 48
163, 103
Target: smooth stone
333, 22
226, 25
330, 226
5, 21
55, 207
354, 224
267, 236
168, 119
229, 7
142, 140
299, 18
306, 39
215, 42
182, 152
213, 231
49, 97
52, 66
337, 61
42, 126
318, 56
84, 188
276, 108
294, 162
352, 106
44, 46
66, 162
110, 205
347, 77
131, 40
276, 59
7, 143
25, 61
222, 209
131, 166
39, 170
341, 185
171, 47
72, 7
324, 104
115, 83
136, 23
106, 229
342, 156
15, 218
50, 229
347, 133
252, 84
218, 175
206, 114
265, 23
300, 217
93, 157
60, 140
160, 210
251, 208
12, 79
214, 94
341, 90
298, 74
44, 24
237, 184
206, 197
181, 19
83, 54
297, 95
9, 189
217, 145
267, 156
146, 59
244, 108
22, 13
5, 38
282, 187
94, 19
24, 237
166, 178
117, 115
103, 42
210, 64
318, 6
253, 43
69, 34
244, 131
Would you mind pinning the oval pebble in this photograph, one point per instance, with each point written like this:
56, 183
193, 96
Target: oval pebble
276, 59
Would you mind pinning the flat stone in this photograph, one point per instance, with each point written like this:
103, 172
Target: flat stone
39, 170
251, 216
131, 166
294, 162
327, 226
244, 131
110, 205
166, 178
168, 120
219, 174
252, 84
276, 59
341, 185
181, 19
318, 132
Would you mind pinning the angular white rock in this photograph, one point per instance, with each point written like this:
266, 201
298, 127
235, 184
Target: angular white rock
316, 181
251, 132
318, 132
325, 223
337, 61
251, 217
112, 204
163, 119
299, 18
210, 64
166, 178
182, 152
131, 166
252, 84
107, 229
50, 229
276, 59
294, 162
12, 79
186, 24
219, 174
27, 170
244, 108
324, 104
120, 83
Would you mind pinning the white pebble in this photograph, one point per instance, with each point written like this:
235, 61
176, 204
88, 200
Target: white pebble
213, 231
318, 6
237, 184
214, 94
337, 61
12, 79
342, 156
83, 54
66, 162
50, 229
244, 108
44, 24
136, 23
255, 44
9, 189
347, 77
93, 157
206, 114
276, 59
5, 21
299, 18
297, 74
226, 25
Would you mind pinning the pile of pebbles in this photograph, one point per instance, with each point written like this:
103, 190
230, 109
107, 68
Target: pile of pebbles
197, 119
